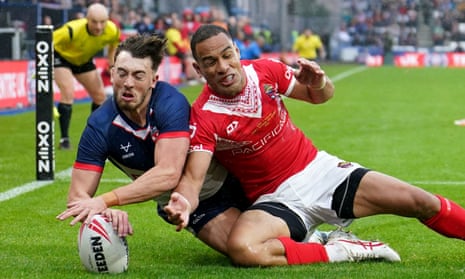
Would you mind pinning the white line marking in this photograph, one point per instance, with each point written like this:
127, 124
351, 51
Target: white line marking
348, 73
452, 183
31, 186
116, 180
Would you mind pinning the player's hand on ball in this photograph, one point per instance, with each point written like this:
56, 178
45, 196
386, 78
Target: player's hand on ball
83, 210
120, 221
178, 210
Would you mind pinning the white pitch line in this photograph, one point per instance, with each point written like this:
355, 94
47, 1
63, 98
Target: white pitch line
348, 73
452, 183
31, 186
116, 180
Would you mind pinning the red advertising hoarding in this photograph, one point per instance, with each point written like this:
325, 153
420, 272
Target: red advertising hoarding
17, 84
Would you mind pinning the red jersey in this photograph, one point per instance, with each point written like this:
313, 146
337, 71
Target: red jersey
251, 134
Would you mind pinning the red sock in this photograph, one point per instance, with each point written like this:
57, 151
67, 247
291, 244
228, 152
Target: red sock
450, 221
303, 252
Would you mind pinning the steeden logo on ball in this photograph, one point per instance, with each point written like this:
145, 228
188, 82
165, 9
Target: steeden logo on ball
100, 248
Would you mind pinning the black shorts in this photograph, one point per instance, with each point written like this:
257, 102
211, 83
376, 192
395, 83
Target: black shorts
229, 195
59, 61
294, 222
343, 203
344, 195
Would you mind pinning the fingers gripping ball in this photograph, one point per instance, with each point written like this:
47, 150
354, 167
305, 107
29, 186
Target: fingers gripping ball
101, 249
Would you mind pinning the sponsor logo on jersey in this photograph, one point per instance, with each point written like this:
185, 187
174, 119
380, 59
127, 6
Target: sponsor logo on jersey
270, 91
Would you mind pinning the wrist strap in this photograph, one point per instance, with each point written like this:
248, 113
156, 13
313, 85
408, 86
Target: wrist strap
322, 85
110, 199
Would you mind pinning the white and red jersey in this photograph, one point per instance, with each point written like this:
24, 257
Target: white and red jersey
251, 134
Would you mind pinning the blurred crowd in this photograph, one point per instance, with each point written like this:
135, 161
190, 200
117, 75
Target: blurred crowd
177, 28
379, 23
385, 23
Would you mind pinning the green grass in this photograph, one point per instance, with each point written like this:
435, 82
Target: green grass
398, 121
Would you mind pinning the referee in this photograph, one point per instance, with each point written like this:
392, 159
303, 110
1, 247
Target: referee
76, 43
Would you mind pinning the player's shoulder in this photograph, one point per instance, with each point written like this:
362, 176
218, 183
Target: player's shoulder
163, 88
265, 66
265, 62
104, 114
166, 95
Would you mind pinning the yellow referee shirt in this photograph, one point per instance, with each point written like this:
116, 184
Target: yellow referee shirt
75, 44
307, 46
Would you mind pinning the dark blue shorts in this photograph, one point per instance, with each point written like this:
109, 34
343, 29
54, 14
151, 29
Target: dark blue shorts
230, 195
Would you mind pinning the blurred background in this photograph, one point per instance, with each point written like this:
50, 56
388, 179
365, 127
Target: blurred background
347, 28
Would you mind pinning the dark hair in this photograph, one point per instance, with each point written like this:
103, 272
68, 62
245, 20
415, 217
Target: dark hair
142, 46
204, 32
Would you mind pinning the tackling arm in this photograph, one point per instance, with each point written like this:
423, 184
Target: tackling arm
185, 197
170, 156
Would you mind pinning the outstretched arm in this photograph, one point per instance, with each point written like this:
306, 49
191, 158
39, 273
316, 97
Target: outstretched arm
170, 156
83, 186
185, 197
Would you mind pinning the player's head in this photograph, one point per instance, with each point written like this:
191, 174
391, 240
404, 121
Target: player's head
134, 73
97, 17
144, 46
217, 59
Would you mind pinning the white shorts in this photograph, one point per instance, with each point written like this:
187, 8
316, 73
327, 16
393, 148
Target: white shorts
309, 193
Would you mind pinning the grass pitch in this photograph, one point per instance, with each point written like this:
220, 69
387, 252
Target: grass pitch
398, 121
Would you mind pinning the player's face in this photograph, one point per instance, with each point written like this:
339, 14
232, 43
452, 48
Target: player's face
219, 63
133, 80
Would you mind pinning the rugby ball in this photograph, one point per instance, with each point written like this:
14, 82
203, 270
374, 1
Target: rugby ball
100, 248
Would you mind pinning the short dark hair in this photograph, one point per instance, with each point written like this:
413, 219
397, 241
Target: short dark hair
204, 32
142, 46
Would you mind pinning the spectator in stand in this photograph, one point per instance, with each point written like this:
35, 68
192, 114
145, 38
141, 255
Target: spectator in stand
115, 17
253, 48
130, 20
204, 17
245, 25
47, 20
340, 39
189, 23
145, 25
218, 17
267, 35
309, 46
248, 48
239, 41
159, 28
232, 26
439, 33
